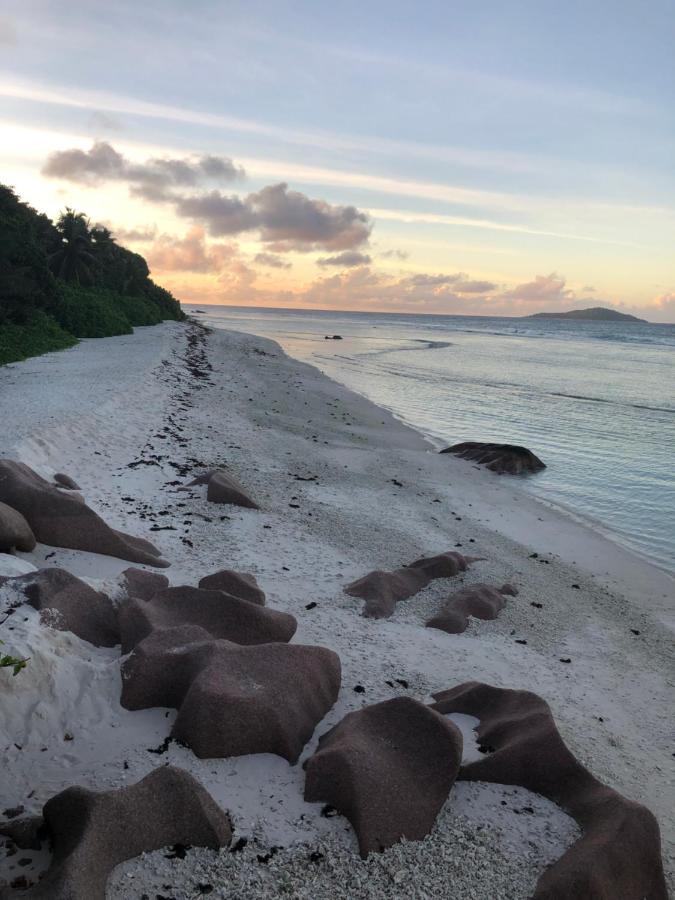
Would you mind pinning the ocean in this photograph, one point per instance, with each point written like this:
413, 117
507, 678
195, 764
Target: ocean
594, 400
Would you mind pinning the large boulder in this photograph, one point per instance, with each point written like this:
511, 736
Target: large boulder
383, 590
219, 614
388, 768
92, 832
238, 584
58, 518
69, 604
619, 852
142, 585
15, 532
223, 488
233, 700
507, 459
479, 600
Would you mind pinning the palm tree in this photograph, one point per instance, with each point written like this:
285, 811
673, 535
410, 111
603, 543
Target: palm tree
103, 239
73, 259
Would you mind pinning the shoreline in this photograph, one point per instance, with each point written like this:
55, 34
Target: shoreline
559, 490
590, 547
274, 421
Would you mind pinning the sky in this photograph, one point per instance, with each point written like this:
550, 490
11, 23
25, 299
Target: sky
435, 157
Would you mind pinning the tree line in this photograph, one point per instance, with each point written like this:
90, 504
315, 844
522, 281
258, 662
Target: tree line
67, 280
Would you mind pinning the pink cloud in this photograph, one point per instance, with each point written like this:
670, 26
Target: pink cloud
189, 254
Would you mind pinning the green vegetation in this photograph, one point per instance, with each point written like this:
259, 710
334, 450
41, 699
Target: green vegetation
68, 280
12, 662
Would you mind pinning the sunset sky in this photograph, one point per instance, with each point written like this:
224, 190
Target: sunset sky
480, 158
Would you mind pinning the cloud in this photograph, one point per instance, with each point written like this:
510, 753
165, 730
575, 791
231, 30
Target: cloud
394, 254
154, 179
459, 281
285, 220
545, 289
424, 280
190, 254
475, 287
346, 259
662, 308
665, 301
271, 260
134, 235
237, 280
222, 215
357, 287
293, 221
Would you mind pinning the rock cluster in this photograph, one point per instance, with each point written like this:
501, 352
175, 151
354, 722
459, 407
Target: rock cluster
507, 459
233, 700
61, 519
383, 590
479, 600
619, 852
92, 832
218, 614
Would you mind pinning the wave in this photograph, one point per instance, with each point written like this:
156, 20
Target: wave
429, 345
666, 409
411, 373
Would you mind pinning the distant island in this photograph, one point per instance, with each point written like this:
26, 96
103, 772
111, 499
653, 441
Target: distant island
594, 314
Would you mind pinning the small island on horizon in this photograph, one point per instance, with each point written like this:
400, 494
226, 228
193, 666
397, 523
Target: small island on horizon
593, 314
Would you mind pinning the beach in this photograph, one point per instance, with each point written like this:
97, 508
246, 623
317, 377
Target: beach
343, 488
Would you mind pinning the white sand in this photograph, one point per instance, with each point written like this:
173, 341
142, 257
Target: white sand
93, 410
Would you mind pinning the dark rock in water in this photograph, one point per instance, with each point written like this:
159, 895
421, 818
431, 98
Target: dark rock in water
238, 584
509, 459
388, 768
59, 518
142, 585
15, 532
233, 700
619, 852
479, 600
383, 590
65, 481
68, 604
93, 832
220, 615
223, 488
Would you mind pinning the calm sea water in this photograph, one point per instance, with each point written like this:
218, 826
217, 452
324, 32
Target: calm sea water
596, 401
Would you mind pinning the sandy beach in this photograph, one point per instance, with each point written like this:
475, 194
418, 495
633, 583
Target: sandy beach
343, 488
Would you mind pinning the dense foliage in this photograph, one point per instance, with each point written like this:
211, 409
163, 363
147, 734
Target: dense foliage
63, 281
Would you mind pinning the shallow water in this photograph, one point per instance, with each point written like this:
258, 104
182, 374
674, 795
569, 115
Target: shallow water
595, 400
